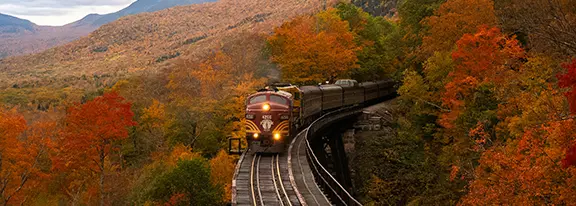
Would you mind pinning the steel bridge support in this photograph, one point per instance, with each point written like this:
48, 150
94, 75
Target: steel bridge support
329, 148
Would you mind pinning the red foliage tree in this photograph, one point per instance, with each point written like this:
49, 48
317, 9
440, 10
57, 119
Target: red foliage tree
484, 57
88, 139
568, 80
570, 159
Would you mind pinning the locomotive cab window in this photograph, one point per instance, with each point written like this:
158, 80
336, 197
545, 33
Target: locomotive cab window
258, 99
278, 99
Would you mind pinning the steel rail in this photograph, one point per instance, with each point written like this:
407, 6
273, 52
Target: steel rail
252, 180
258, 180
276, 188
282, 184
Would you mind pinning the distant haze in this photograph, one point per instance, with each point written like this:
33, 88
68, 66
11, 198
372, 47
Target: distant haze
59, 12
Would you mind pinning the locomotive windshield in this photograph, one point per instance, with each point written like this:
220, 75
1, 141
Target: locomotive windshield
258, 99
278, 99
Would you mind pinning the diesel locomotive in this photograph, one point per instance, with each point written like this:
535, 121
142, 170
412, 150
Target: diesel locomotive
274, 115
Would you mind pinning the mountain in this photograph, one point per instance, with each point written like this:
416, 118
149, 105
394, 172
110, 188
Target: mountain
150, 42
19, 36
137, 7
10, 24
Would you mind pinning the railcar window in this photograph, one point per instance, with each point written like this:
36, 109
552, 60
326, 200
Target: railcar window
277, 99
258, 99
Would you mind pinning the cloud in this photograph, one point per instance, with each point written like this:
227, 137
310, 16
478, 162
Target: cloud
67, 3
59, 12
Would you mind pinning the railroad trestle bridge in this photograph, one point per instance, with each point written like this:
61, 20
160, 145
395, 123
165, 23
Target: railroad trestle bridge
313, 170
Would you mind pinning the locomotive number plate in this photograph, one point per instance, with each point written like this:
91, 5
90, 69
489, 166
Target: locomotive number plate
266, 122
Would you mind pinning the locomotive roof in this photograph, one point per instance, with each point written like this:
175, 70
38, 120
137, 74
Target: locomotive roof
281, 93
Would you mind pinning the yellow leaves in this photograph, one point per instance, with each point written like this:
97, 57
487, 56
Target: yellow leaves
120, 84
414, 86
378, 187
537, 72
215, 88
222, 171
181, 152
212, 74
154, 116
437, 68
530, 108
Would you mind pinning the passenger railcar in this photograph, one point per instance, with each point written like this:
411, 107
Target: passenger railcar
332, 97
311, 102
370, 91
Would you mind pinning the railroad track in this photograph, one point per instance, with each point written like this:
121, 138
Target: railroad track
267, 185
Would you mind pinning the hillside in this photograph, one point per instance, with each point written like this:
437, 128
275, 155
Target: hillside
19, 36
149, 41
32, 38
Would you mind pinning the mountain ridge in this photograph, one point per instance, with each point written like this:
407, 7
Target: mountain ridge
13, 22
20, 36
136, 7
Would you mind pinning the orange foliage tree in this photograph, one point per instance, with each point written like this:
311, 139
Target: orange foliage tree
536, 168
91, 132
453, 19
486, 57
527, 171
21, 149
222, 171
314, 49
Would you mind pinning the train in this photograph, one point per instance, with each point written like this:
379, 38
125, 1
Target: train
275, 114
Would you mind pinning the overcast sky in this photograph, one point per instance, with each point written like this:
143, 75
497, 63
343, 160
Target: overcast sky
59, 12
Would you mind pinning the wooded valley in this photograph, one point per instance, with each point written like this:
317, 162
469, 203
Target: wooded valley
485, 105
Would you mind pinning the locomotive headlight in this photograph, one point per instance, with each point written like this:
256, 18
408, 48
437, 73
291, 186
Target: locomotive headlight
284, 117
249, 116
266, 107
277, 136
255, 135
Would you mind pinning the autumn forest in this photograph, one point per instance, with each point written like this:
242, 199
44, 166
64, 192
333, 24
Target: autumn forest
139, 111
